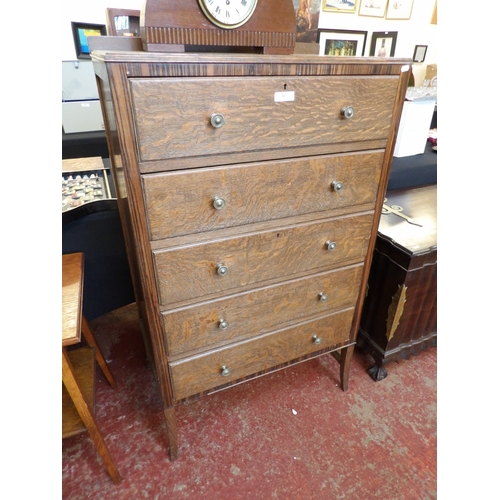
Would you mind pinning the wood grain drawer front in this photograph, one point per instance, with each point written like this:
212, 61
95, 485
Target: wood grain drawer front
253, 313
173, 116
226, 265
201, 373
180, 203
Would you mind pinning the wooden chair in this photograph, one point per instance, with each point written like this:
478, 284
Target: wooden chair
78, 365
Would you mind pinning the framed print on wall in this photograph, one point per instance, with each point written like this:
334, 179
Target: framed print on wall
372, 8
419, 53
80, 33
341, 43
383, 43
348, 6
399, 9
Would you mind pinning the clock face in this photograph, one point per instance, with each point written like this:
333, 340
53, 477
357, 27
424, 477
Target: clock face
228, 13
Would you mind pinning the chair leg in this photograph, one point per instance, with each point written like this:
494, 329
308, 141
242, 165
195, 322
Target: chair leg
89, 337
71, 384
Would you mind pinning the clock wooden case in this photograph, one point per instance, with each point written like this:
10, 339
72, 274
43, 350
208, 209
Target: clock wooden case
176, 25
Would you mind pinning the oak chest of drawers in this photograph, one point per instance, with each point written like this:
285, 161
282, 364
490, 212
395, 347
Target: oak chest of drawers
249, 188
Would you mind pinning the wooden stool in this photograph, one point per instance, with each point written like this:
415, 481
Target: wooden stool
78, 365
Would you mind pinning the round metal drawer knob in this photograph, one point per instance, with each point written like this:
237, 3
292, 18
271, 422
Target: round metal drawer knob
322, 297
219, 202
222, 270
317, 340
223, 324
347, 112
217, 120
337, 186
225, 371
330, 245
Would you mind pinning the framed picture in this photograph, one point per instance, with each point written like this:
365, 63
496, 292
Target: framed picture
372, 8
419, 53
341, 43
122, 22
399, 9
383, 43
80, 33
349, 6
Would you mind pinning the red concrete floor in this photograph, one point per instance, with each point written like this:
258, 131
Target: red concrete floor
291, 435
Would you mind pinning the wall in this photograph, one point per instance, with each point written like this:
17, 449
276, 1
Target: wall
90, 11
415, 31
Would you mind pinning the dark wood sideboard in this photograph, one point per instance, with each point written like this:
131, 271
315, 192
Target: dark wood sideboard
399, 315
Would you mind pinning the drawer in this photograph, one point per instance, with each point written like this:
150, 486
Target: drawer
200, 373
180, 203
173, 115
256, 312
248, 259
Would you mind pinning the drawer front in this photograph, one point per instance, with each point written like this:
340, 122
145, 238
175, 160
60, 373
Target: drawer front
180, 203
198, 374
173, 116
198, 270
256, 312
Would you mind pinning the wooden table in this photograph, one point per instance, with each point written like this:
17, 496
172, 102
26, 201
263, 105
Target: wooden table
399, 316
78, 365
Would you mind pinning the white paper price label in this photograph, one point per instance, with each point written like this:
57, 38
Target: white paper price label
284, 96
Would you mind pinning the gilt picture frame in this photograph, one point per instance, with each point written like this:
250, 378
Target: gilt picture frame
372, 8
399, 9
345, 6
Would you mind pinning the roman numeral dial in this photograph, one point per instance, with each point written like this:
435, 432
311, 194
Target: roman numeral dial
228, 13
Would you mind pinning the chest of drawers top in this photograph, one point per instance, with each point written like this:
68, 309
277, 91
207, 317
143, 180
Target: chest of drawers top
271, 106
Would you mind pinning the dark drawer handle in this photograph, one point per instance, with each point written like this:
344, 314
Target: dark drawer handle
217, 120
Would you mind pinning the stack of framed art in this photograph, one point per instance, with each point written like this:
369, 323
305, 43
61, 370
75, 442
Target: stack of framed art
390, 9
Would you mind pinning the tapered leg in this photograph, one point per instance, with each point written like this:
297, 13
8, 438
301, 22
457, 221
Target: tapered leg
89, 337
171, 431
71, 384
345, 365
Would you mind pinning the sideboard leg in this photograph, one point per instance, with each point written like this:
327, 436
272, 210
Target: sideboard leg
345, 364
377, 372
171, 431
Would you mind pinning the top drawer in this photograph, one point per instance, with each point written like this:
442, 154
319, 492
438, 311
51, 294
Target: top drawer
173, 115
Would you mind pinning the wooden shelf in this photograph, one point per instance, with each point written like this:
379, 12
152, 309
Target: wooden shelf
83, 361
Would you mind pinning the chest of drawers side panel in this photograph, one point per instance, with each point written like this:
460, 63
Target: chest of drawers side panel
124, 160
382, 187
